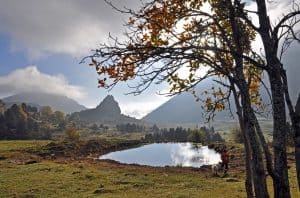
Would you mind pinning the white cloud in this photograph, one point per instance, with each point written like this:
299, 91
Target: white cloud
59, 26
30, 79
140, 108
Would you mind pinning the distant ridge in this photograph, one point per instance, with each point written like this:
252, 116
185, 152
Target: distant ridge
183, 109
57, 102
108, 111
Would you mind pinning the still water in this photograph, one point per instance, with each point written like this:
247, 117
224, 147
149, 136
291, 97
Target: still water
166, 154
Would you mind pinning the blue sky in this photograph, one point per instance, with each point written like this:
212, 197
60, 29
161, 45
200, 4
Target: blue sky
42, 43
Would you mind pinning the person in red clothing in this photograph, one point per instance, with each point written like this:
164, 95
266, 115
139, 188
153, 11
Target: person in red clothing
225, 160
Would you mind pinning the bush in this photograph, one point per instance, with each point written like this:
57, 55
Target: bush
71, 134
196, 136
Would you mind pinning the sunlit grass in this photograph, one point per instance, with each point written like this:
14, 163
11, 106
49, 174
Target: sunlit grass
49, 179
11, 145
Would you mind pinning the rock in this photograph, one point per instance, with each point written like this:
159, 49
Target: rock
31, 162
211, 146
101, 191
138, 185
101, 186
130, 174
2, 157
232, 180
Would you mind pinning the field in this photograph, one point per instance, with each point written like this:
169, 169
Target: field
23, 174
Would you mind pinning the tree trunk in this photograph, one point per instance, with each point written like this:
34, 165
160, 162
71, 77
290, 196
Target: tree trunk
268, 156
258, 171
295, 119
249, 179
259, 177
281, 187
296, 128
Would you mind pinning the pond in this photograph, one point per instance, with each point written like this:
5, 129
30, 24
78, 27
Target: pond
166, 154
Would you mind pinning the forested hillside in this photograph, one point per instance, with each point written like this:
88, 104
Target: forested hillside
27, 122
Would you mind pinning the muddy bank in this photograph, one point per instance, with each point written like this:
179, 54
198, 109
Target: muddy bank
79, 149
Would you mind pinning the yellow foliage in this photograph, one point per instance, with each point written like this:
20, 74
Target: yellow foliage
71, 134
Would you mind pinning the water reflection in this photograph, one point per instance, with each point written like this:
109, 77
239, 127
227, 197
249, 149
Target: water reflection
166, 154
191, 155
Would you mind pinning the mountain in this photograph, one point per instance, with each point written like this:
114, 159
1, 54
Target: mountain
57, 102
108, 111
183, 109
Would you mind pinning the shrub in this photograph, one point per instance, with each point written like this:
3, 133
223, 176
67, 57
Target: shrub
71, 134
196, 136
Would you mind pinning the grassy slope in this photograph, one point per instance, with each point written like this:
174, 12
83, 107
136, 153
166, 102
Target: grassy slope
61, 178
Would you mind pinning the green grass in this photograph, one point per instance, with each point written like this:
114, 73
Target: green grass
18, 145
50, 179
88, 178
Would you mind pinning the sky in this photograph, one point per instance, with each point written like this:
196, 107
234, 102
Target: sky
42, 43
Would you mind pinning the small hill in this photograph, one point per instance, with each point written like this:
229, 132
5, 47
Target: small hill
108, 111
57, 102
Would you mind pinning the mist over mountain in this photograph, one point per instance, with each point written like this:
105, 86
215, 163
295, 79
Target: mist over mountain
108, 111
57, 102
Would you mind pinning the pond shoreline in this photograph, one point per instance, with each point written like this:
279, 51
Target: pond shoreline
83, 149
170, 154
93, 149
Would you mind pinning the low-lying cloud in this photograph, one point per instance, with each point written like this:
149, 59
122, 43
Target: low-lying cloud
30, 79
139, 109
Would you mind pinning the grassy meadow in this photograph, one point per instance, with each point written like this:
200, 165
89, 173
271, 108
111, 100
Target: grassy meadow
23, 174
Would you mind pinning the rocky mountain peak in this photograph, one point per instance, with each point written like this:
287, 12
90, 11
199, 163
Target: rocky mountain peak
108, 111
109, 106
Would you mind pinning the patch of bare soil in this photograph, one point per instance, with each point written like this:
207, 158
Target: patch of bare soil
81, 149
